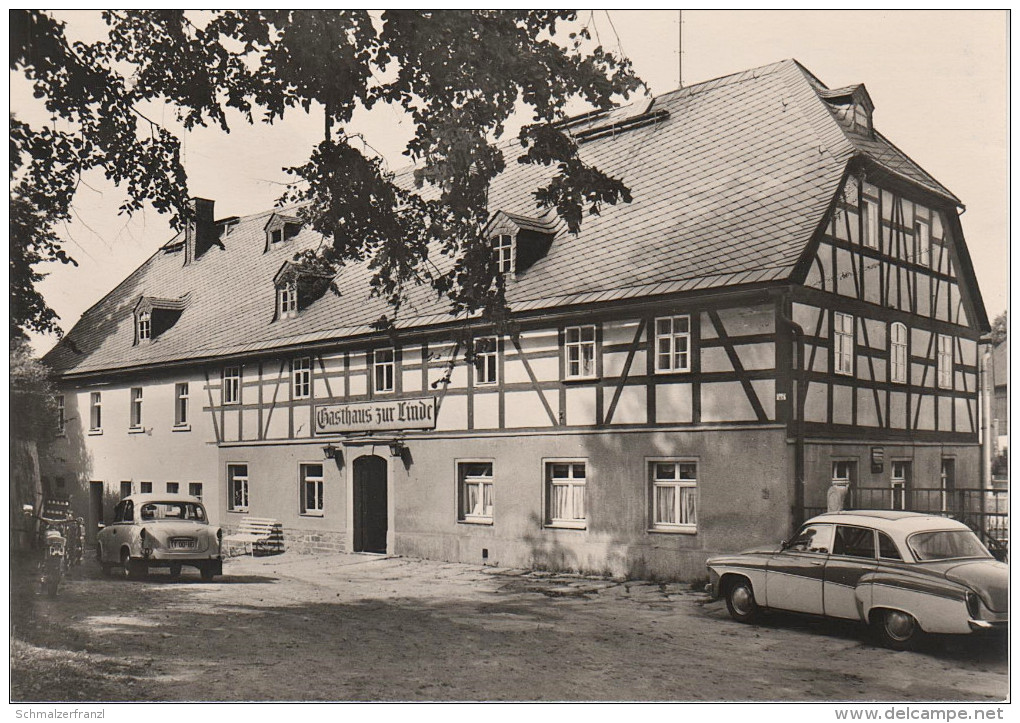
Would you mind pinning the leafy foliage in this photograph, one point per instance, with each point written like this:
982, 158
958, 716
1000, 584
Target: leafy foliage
459, 75
1000, 329
33, 401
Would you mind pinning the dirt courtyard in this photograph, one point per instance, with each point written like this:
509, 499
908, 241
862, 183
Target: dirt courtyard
362, 627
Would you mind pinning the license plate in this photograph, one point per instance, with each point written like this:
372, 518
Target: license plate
182, 543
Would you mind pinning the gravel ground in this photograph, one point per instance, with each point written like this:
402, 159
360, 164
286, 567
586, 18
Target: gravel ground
363, 627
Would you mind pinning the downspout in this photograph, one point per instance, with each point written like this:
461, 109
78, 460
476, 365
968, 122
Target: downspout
797, 508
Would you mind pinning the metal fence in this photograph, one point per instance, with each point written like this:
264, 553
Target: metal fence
984, 511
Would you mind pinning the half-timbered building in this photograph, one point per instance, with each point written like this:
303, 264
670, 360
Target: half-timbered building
787, 302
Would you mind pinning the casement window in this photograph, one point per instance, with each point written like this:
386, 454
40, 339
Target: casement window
945, 362
898, 353
96, 412
871, 223
231, 385
844, 471
486, 360
195, 489
287, 300
145, 488
276, 236
565, 485
475, 491
125, 489
503, 253
674, 495
61, 419
673, 344
843, 343
173, 488
899, 481
136, 407
922, 243
579, 347
311, 489
181, 404
383, 370
302, 373
237, 487
144, 326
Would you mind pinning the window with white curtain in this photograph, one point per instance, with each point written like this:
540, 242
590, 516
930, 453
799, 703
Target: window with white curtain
475, 491
674, 495
898, 353
843, 343
566, 482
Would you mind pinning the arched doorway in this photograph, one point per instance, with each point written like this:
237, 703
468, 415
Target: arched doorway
370, 511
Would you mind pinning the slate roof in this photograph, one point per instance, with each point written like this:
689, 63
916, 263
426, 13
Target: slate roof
730, 179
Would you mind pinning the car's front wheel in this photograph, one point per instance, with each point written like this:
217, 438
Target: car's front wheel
133, 569
207, 573
740, 601
898, 630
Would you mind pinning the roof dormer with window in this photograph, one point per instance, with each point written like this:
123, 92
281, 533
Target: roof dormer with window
519, 241
280, 228
296, 289
852, 106
153, 316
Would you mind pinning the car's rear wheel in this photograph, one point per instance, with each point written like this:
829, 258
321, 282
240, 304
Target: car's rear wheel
740, 601
898, 630
175, 570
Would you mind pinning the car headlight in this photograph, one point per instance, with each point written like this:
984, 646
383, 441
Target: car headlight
973, 604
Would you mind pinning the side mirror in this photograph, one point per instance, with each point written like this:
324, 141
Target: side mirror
100, 526
27, 509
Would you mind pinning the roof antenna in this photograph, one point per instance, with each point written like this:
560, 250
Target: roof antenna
680, 48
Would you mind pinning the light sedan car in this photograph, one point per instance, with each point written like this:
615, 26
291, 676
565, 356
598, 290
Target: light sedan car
151, 530
905, 573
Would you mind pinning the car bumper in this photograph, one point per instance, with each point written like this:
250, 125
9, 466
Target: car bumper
979, 626
157, 556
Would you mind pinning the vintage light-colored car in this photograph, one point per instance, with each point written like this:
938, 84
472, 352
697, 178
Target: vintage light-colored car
905, 573
151, 530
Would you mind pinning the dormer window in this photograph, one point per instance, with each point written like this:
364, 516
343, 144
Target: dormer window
280, 228
287, 300
276, 236
503, 253
144, 326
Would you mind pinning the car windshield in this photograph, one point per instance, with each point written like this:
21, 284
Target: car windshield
946, 545
173, 511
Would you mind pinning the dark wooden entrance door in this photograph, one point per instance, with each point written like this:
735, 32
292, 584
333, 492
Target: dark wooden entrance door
370, 515
95, 512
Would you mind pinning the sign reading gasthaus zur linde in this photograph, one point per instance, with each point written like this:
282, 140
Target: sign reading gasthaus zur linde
376, 416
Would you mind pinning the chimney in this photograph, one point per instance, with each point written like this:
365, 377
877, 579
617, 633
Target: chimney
201, 232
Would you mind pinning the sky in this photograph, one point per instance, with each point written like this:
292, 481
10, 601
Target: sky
939, 81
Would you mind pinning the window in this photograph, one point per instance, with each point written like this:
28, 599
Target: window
674, 495
311, 489
871, 223
900, 482
486, 357
503, 253
173, 488
566, 482
813, 538
144, 326
136, 407
181, 404
922, 243
861, 118
945, 362
276, 236
231, 385
145, 488
125, 488
124, 511
854, 541
61, 419
302, 371
237, 487
673, 344
887, 548
96, 412
843, 343
579, 342
195, 489
382, 364
287, 300
898, 353
475, 491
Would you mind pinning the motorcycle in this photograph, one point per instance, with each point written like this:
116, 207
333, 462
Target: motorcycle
60, 542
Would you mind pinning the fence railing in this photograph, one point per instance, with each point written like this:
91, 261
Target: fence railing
984, 511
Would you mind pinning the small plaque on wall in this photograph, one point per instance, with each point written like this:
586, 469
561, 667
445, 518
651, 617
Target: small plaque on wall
877, 458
